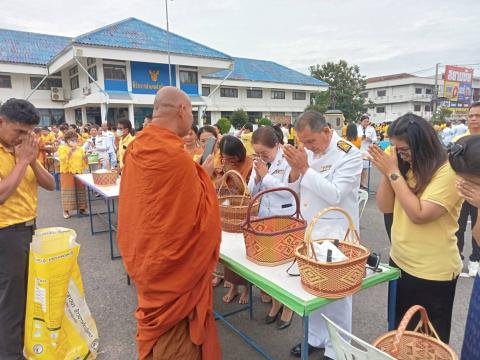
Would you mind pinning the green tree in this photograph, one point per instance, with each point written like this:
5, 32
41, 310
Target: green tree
264, 122
239, 118
224, 125
345, 90
441, 115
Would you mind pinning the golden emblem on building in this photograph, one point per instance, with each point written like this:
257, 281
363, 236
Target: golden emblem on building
154, 75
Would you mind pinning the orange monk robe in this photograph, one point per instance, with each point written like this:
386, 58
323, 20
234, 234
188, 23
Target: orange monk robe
169, 236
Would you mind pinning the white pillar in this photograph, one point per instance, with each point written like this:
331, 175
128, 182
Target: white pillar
103, 112
131, 115
200, 115
84, 115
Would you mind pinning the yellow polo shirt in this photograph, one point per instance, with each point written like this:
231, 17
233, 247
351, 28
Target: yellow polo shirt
122, 147
21, 206
458, 137
429, 251
76, 164
247, 142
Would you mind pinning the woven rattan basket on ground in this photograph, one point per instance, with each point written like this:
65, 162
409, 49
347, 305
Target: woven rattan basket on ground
421, 344
102, 178
233, 207
272, 241
332, 280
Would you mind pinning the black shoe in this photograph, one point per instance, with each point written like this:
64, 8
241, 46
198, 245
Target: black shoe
271, 319
297, 350
284, 324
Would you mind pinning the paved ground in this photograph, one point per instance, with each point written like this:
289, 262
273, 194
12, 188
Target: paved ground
112, 302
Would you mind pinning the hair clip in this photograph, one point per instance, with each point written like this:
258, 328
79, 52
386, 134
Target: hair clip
455, 149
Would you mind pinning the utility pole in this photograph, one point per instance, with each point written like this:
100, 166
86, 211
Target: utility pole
435, 90
168, 46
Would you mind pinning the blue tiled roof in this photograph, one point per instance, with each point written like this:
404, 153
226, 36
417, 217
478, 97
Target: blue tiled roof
268, 71
132, 33
29, 48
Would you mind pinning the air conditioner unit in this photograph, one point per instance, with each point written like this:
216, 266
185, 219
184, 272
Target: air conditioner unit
86, 90
56, 94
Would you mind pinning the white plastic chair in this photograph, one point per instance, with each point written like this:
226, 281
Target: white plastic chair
342, 344
362, 200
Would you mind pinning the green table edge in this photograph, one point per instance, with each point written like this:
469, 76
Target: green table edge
293, 302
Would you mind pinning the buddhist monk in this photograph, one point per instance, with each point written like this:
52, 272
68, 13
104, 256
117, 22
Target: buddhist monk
169, 236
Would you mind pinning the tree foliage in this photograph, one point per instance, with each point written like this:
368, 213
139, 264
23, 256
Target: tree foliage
264, 122
224, 125
346, 88
239, 118
441, 115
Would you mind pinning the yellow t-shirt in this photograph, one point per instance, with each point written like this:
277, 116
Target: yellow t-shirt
429, 251
76, 164
247, 142
122, 147
21, 206
458, 137
47, 138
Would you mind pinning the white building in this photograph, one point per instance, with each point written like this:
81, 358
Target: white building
397, 94
115, 71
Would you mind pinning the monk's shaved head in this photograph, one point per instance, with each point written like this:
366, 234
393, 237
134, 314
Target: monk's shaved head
169, 99
172, 109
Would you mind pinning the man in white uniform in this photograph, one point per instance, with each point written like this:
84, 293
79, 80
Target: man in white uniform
327, 174
369, 136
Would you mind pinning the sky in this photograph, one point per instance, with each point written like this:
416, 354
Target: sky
381, 37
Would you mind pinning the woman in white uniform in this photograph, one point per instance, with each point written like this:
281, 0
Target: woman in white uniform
270, 170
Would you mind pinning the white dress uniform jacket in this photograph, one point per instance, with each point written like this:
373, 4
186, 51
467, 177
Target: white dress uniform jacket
279, 202
333, 179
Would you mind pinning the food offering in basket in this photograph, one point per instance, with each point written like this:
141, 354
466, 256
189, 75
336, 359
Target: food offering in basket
272, 240
93, 159
234, 203
421, 343
104, 177
329, 279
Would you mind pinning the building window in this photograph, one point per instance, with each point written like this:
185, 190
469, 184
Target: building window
114, 72
91, 61
428, 91
228, 92
299, 95
226, 114
380, 109
74, 83
364, 95
205, 90
188, 77
278, 94
51, 116
418, 90
428, 108
381, 93
417, 107
47, 84
73, 70
254, 93
5, 81
92, 71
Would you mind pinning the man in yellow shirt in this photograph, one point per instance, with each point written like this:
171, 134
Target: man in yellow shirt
20, 174
124, 132
467, 208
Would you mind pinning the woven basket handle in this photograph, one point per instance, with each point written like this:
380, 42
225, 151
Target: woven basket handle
263, 192
351, 235
424, 323
232, 174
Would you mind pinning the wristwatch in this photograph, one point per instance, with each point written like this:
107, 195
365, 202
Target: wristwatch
394, 176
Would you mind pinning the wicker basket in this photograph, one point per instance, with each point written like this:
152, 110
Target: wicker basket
422, 343
272, 241
105, 178
233, 207
332, 280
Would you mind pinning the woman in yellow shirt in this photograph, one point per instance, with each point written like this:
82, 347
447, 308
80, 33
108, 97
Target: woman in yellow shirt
351, 135
418, 186
72, 161
124, 132
191, 143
